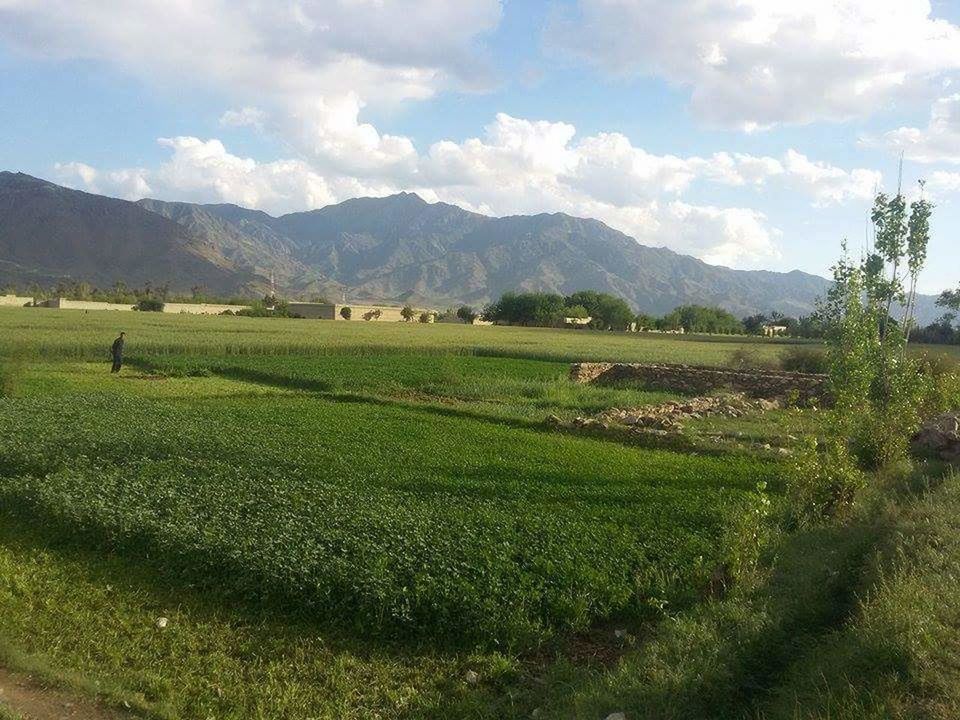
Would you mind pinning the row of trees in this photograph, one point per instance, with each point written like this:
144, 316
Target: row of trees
606, 312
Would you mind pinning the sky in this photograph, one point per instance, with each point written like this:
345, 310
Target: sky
749, 133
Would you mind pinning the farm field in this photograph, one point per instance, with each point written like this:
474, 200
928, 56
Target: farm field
352, 520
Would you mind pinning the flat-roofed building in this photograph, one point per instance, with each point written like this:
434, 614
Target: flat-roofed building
15, 300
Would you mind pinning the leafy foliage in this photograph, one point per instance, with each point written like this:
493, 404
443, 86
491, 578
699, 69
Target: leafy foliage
150, 305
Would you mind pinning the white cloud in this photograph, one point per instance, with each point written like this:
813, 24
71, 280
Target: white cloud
829, 184
129, 184
756, 63
385, 50
309, 65
518, 166
939, 141
941, 183
244, 117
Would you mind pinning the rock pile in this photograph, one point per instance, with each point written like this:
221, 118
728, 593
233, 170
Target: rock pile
941, 436
669, 416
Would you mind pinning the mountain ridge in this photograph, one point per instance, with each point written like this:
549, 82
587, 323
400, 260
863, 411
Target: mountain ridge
398, 248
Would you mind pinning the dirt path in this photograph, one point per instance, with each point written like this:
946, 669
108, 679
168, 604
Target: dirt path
28, 698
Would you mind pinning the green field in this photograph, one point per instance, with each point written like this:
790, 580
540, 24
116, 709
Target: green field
341, 519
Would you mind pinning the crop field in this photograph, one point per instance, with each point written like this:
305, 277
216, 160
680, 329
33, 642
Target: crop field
393, 484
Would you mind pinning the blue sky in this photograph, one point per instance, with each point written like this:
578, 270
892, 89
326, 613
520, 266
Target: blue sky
750, 133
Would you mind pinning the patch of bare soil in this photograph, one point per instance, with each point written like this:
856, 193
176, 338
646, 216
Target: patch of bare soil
32, 700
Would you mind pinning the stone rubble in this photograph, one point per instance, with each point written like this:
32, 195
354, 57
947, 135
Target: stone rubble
669, 416
941, 436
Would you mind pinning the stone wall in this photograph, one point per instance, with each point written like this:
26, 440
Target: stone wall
698, 380
15, 300
201, 308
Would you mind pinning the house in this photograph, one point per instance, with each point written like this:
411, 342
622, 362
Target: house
774, 330
576, 323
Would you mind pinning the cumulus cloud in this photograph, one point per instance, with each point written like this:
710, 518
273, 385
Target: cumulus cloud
939, 141
755, 63
129, 184
382, 49
310, 65
517, 166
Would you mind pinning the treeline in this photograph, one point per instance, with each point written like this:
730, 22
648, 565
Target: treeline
605, 312
121, 293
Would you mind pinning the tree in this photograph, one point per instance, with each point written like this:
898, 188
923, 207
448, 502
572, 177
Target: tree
345, 313
540, 309
426, 317
876, 386
950, 299
467, 314
753, 324
577, 311
645, 322
407, 313
607, 312
701, 319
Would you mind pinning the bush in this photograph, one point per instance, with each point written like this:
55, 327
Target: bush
426, 317
467, 314
345, 313
822, 483
805, 359
745, 358
407, 313
150, 305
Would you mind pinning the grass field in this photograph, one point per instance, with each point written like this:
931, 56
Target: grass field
344, 519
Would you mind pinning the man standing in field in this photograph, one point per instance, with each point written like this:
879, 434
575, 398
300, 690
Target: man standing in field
117, 351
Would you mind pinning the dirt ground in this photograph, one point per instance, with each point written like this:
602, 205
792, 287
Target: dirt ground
31, 700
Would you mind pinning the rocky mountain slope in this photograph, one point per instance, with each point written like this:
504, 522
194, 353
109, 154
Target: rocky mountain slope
398, 249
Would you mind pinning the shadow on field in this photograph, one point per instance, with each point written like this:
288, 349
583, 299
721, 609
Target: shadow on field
172, 581
621, 436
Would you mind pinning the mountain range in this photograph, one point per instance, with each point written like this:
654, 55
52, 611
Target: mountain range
397, 249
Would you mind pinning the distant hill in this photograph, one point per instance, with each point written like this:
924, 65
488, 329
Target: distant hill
398, 248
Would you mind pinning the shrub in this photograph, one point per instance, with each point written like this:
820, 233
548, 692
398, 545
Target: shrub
426, 317
805, 359
744, 358
150, 305
467, 314
822, 482
407, 313
372, 315
345, 313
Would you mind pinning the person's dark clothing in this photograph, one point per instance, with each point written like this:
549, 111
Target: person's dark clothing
117, 351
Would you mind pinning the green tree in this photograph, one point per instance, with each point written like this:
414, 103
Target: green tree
608, 312
407, 313
467, 314
345, 313
950, 299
